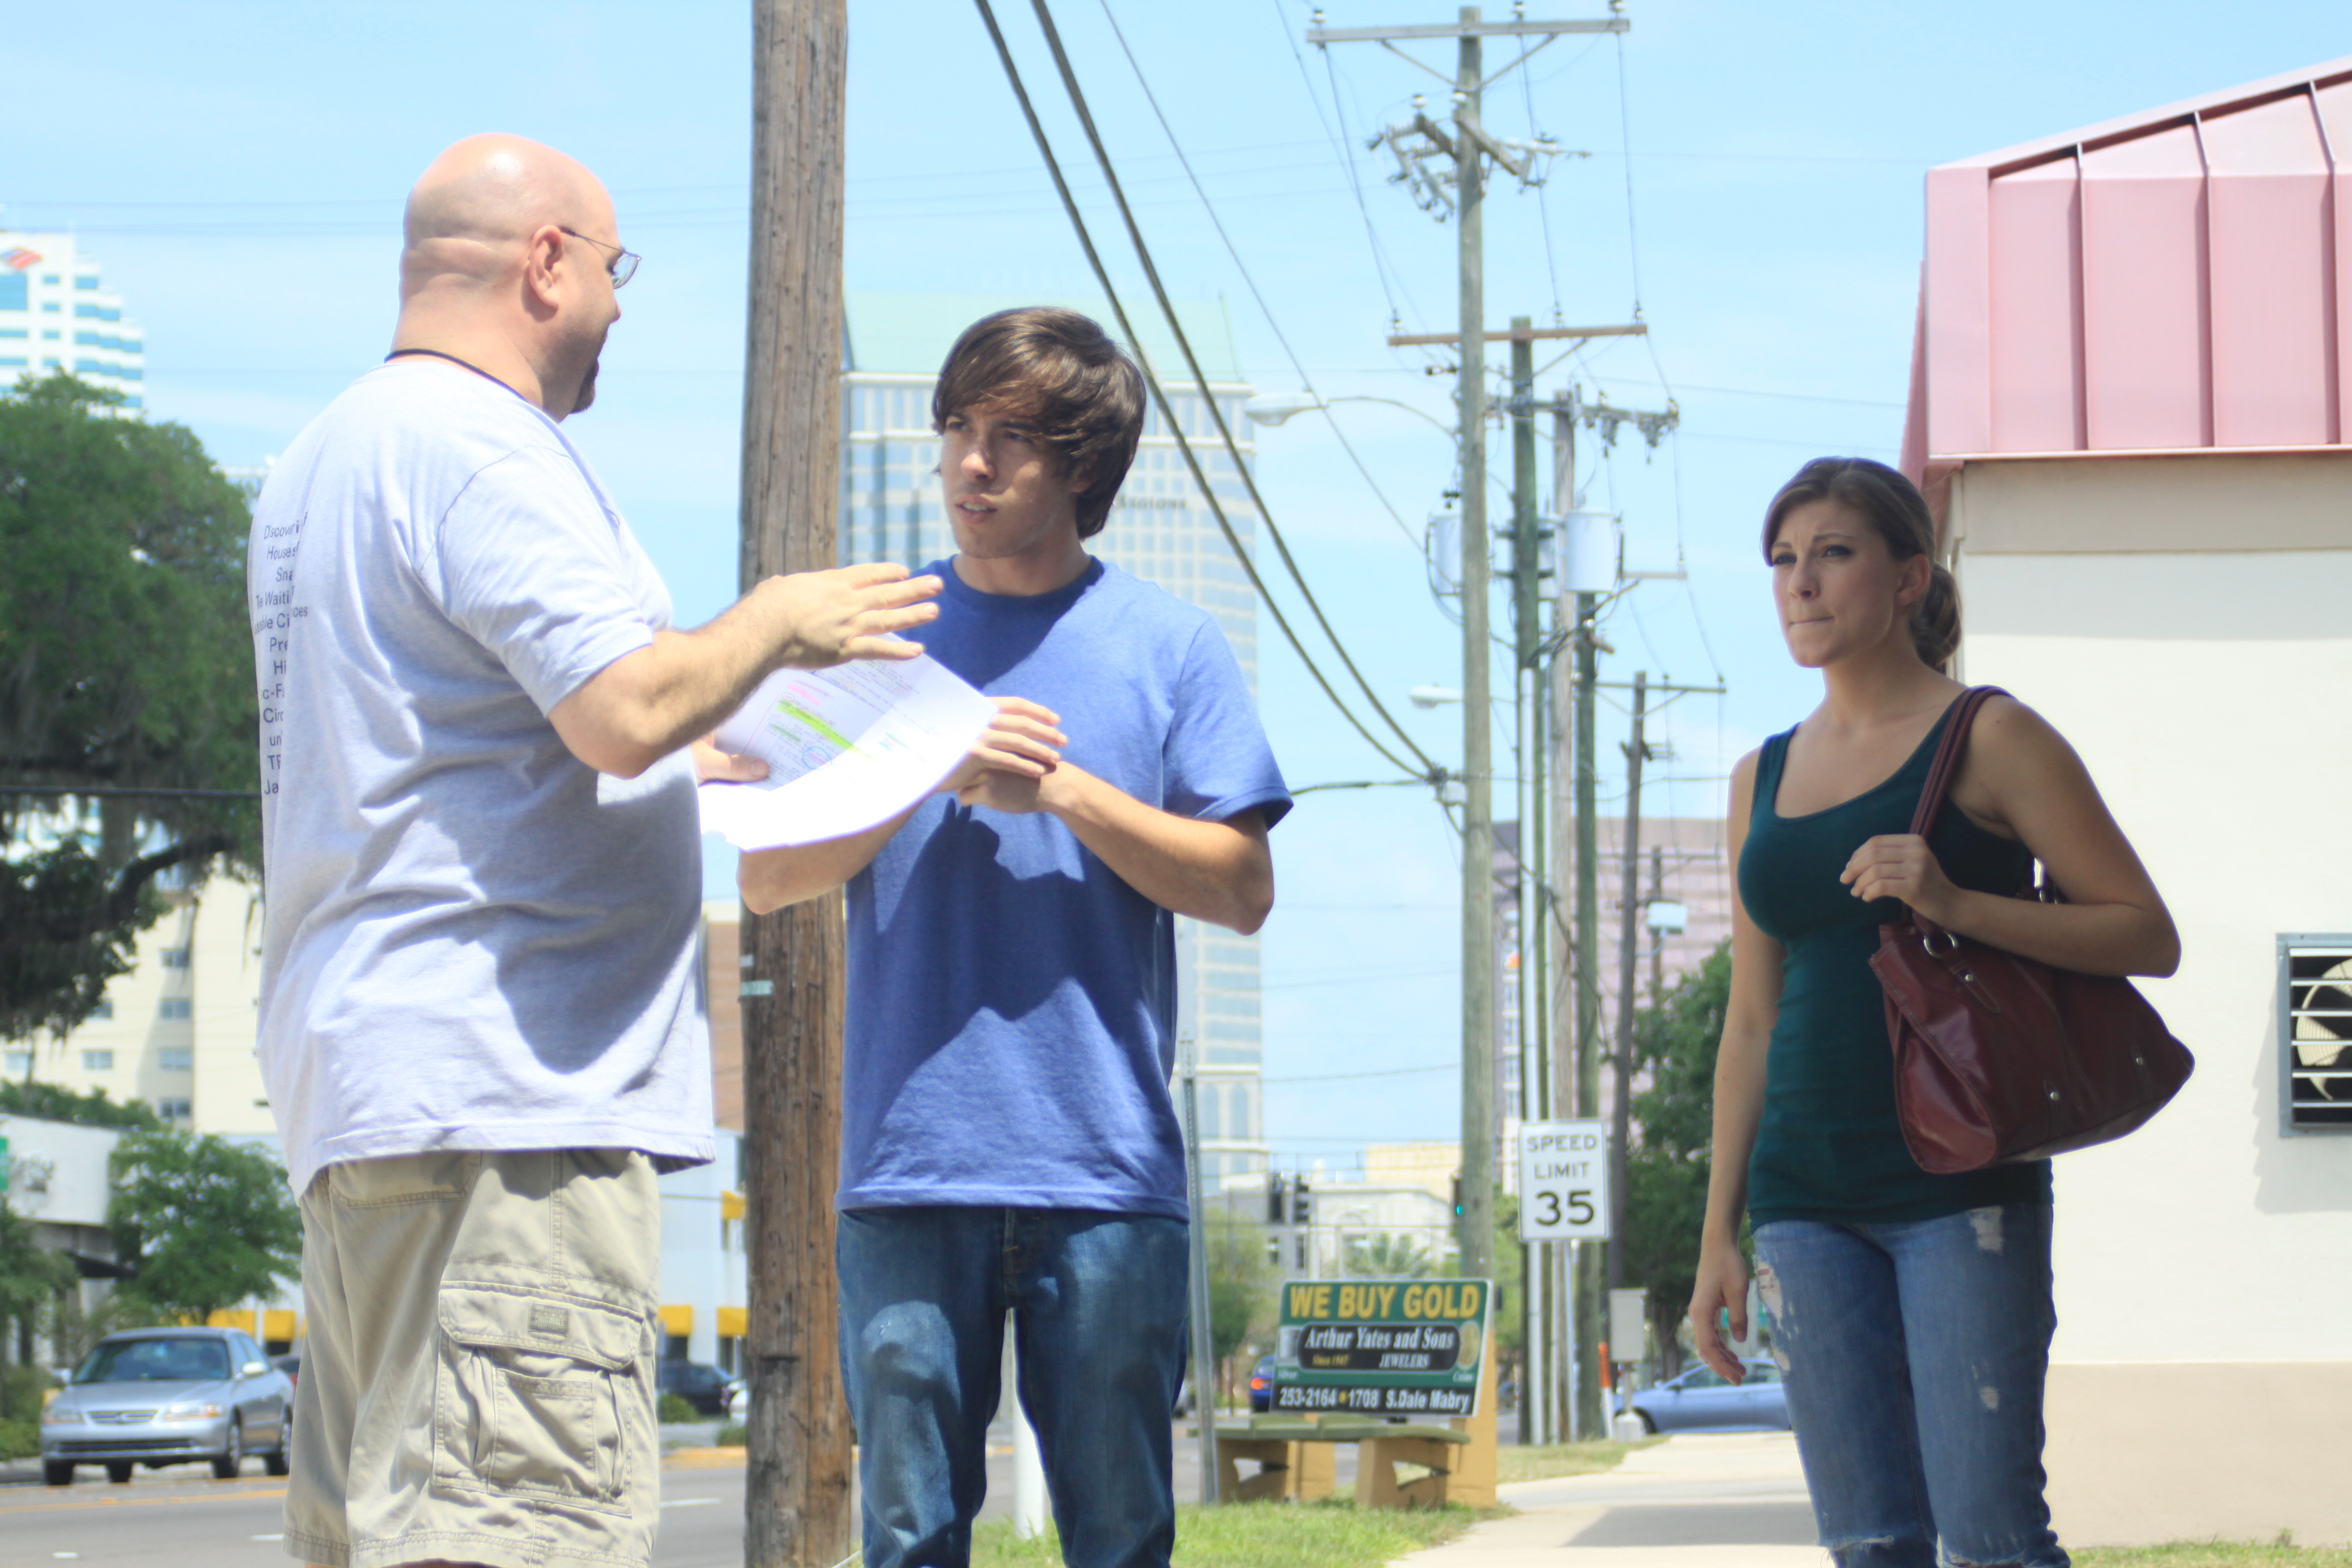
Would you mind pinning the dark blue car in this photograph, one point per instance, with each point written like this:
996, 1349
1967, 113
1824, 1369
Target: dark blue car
1703, 1400
1261, 1384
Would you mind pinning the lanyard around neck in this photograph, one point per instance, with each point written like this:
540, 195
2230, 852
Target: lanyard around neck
452, 359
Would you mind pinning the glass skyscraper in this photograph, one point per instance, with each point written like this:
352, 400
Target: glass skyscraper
1159, 530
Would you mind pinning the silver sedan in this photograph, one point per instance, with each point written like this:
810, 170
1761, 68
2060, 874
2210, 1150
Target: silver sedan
166, 1396
1703, 1399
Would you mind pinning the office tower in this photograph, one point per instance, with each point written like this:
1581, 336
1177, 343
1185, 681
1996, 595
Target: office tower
55, 314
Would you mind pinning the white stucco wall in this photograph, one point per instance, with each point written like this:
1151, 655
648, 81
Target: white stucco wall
2184, 623
2199, 687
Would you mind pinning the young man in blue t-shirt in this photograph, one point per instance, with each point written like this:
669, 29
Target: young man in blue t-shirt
1008, 1141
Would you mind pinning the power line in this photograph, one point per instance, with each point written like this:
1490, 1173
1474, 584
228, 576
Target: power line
1265, 309
1543, 206
1217, 411
1337, 1076
1160, 398
1341, 141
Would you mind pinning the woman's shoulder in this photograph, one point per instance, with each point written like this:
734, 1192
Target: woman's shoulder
2006, 726
2013, 752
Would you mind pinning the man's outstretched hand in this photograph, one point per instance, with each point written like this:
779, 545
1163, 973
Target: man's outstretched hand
824, 618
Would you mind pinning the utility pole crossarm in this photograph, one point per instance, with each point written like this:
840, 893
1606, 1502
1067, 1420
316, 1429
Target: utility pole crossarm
1494, 149
1519, 334
1662, 686
1463, 30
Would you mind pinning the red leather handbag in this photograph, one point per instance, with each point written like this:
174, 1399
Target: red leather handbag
1999, 1058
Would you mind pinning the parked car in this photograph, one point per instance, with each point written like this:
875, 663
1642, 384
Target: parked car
699, 1383
738, 1402
291, 1365
1703, 1399
167, 1396
1261, 1384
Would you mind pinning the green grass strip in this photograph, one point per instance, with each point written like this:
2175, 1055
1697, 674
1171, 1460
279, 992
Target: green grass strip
1262, 1535
2214, 1554
1514, 1463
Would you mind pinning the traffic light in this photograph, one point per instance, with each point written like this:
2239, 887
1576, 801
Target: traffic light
1274, 1204
1302, 1206
1458, 1195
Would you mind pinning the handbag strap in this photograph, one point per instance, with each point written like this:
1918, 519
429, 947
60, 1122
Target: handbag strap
1940, 774
1948, 755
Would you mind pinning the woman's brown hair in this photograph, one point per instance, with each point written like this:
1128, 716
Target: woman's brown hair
1898, 514
1060, 371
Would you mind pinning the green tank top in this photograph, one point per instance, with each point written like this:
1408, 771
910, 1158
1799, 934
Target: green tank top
1829, 1147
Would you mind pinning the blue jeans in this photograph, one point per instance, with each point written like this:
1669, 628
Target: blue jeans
1099, 1313
1916, 1355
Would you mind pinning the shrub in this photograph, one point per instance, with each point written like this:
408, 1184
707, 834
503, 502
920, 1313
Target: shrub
19, 1439
674, 1408
21, 1388
734, 1435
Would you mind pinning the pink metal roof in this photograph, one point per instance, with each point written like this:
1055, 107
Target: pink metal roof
2180, 279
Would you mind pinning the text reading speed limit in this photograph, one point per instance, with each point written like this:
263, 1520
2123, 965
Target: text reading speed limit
1564, 1181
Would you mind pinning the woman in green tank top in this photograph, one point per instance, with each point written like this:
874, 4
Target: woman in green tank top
1911, 1311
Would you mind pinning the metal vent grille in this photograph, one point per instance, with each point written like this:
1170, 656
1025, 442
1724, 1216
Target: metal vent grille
2315, 1032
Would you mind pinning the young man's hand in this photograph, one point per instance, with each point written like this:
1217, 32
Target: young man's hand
714, 765
1012, 755
824, 618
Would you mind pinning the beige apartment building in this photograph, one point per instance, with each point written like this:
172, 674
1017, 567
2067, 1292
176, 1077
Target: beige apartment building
178, 1032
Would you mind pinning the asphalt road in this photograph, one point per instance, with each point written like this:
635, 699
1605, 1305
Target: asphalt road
181, 1518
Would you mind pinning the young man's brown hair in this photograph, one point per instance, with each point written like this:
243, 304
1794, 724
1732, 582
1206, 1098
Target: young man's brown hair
1058, 370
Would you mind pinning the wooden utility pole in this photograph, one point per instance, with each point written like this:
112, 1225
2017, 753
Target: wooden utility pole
1468, 146
1590, 1419
1526, 668
797, 1493
1476, 1229
1629, 952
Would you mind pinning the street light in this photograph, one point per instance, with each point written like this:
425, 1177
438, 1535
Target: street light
1277, 407
1426, 697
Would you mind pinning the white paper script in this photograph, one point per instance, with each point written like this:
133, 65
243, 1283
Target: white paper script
846, 748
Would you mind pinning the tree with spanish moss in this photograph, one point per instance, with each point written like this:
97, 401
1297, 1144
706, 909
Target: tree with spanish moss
126, 665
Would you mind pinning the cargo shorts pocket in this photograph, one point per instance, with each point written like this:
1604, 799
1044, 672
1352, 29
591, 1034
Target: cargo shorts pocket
534, 1395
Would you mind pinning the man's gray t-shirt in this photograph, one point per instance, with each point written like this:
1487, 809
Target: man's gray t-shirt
471, 939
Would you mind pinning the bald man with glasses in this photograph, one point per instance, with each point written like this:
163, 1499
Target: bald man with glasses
481, 1019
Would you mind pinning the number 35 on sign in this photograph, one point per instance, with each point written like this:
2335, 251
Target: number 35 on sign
1564, 1181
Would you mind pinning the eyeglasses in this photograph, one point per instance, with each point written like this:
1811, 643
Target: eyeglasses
625, 262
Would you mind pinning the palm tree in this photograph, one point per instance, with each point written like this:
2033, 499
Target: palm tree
1385, 1254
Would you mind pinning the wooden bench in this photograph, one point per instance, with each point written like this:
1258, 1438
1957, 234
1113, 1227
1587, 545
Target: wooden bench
1295, 1460
1431, 1447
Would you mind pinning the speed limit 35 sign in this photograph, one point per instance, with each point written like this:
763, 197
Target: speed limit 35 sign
1564, 1181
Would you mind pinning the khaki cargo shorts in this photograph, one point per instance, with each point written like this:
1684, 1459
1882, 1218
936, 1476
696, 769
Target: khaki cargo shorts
478, 1380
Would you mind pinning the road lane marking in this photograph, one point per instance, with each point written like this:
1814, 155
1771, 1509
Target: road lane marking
681, 1503
8, 1508
280, 1536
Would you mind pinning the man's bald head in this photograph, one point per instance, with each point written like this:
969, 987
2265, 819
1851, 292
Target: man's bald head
483, 197
508, 268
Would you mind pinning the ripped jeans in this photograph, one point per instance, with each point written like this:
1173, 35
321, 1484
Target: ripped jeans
1914, 1355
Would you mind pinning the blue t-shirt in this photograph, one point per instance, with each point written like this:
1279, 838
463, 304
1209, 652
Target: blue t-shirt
1012, 1009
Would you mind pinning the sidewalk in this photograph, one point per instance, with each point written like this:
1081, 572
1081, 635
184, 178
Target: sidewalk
1692, 1501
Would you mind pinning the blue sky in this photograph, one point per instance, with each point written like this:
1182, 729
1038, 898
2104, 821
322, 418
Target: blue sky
1755, 187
